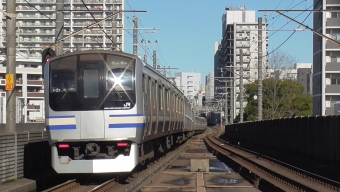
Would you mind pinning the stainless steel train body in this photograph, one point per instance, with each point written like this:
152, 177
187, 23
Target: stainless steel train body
108, 111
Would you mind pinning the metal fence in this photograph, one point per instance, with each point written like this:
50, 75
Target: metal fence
316, 138
16, 149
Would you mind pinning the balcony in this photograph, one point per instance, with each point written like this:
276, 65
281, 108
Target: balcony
332, 2
31, 9
333, 66
35, 82
35, 94
92, 1
333, 89
333, 22
34, 1
332, 45
35, 17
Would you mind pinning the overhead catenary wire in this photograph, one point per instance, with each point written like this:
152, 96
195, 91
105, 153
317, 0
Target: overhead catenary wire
147, 51
159, 50
287, 23
292, 32
276, 17
107, 36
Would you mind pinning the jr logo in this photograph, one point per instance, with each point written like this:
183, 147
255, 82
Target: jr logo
127, 104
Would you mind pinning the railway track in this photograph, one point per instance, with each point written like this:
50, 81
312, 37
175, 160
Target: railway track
133, 182
279, 174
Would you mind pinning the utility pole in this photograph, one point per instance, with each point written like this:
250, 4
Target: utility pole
154, 60
135, 35
226, 104
59, 27
11, 67
241, 86
232, 99
114, 32
259, 65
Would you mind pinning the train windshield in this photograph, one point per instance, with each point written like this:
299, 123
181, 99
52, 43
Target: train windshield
92, 82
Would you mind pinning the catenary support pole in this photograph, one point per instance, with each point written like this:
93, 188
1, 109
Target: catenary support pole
260, 70
11, 66
59, 31
135, 35
241, 86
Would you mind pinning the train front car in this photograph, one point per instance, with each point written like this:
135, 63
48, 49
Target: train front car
91, 111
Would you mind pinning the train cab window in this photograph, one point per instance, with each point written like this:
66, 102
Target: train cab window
91, 83
121, 79
120, 73
63, 75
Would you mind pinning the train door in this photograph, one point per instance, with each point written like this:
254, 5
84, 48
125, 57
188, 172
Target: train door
91, 89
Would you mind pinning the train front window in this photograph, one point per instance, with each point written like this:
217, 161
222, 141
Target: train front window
120, 82
121, 79
63, 75
91, 84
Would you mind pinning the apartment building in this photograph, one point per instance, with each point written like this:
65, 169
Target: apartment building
209, 86
240, 32
35, 30
29, 90
188, 83
326, 58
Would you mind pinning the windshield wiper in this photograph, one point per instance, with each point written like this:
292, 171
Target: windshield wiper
65, 94
117, 93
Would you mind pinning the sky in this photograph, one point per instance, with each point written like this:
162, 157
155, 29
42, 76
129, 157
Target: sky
190, 28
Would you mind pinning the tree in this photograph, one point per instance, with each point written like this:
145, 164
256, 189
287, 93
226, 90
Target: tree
280, 65
281, 98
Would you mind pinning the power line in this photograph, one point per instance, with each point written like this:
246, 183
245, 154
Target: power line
159, 50
276, 7
287, 8
38, 10
292, 32
288, 23
107, 36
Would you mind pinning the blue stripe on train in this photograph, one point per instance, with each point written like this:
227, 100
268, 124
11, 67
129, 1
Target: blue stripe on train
60, 127
127, 115
127, 125
57, 117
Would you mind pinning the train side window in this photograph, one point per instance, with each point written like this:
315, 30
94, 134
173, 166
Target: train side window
153, 95
160, 97
90, 83
144, 84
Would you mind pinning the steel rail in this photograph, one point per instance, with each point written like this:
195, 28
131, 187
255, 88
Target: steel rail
277, 175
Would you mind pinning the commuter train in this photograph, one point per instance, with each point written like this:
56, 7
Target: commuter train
108, 111
214, 118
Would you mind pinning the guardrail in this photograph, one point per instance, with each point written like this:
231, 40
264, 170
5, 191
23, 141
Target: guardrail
21, 127
22, 153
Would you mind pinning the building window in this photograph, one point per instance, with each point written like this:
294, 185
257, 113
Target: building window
335, 81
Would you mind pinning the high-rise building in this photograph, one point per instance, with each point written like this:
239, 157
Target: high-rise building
304, 74
209, 86
36, 30
326, 58
240, 32
188, 83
